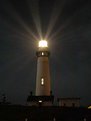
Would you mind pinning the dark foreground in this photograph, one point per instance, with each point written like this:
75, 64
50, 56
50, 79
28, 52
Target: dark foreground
54, 113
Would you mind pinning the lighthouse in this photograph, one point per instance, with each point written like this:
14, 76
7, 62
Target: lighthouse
43, 94
43, 71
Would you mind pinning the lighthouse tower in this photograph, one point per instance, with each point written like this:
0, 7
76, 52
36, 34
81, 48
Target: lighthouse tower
43, 94
43, 73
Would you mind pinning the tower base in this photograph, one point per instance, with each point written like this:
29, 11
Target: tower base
40, 100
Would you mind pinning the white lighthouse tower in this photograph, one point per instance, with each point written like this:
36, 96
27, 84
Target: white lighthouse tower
43, 72
43, 94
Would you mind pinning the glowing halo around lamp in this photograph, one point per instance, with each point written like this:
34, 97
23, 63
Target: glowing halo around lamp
43, 43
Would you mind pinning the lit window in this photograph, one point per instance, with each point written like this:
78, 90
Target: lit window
89, 107
42, 81
40, 101
42, 53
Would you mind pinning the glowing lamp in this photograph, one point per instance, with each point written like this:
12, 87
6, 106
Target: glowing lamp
40, 101
89, 107
43, 43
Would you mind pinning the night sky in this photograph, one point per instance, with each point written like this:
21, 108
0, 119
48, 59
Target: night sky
66, 24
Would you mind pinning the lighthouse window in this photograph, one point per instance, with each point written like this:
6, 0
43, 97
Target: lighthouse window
42, 53
42, 81
40, 101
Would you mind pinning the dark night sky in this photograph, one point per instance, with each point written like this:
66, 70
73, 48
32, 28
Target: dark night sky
67, 26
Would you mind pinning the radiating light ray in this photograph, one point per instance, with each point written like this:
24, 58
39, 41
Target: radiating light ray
12, 32
67, 22
17, 18
57, 33
34, 10
54, 16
